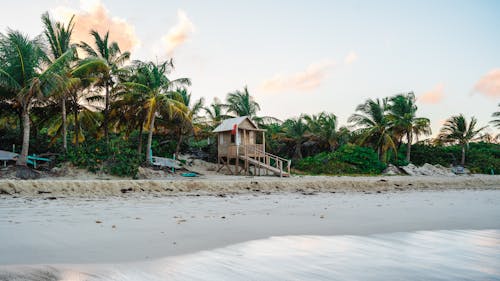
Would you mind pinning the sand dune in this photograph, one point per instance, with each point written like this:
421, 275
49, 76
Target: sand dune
219, 185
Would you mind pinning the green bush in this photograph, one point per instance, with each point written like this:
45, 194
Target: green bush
348, 159
121, 159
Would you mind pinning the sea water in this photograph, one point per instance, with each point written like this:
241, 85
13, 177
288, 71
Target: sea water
421, 255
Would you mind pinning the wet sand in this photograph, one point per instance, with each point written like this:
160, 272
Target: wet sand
216, 185
142, 227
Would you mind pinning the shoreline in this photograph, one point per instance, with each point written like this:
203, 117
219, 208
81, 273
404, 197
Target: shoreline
224, 185
144, 228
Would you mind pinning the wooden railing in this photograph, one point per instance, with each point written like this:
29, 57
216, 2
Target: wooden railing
269, 159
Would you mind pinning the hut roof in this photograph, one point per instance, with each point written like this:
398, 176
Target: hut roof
228, 124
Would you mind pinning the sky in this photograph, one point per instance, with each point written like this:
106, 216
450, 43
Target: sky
305, 56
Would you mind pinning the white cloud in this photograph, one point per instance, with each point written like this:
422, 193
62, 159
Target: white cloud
351, 58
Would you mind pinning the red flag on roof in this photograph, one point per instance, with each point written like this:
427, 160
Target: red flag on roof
235, 128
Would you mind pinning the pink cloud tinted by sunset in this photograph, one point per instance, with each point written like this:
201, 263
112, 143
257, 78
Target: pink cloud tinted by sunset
305, 81
179, 33
93, 15
489, 84
433, 96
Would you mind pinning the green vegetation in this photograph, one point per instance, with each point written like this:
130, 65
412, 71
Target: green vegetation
88, 104
348, 159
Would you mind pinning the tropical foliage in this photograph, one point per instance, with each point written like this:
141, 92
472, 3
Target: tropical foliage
88, 104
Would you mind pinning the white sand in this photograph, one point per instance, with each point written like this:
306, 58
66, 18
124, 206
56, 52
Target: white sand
216, 185
143, 227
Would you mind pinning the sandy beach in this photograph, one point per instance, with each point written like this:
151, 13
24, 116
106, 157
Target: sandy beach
223, 185
144, 227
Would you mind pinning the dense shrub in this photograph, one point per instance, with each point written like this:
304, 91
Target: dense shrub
120, 160
348, 159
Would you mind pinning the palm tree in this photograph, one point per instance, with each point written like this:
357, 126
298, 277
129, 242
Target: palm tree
458, 130
374, 126
59, 38
215, 113
151, 80
22, 72
496, 121
324, 127
296, 129
115, 58
185, 126
402, 115
241, 103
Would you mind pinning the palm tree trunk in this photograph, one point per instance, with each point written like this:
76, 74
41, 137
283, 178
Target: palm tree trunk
21, 161
64, 125
106, 113
77, 127
379, 153
150, 140
462, 162
298, 150
408, 146
178, 147
139, 149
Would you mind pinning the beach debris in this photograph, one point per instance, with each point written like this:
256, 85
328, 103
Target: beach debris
392, 170
43, 192
181, 221
427, 170
98, 221
125, 190
223, 217
51, 198
113, 226
322, 216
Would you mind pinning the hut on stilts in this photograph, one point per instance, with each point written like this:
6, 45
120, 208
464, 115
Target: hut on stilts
241, 146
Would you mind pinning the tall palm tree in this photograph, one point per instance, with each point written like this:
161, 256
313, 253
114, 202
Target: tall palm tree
115, 58
59, 37
457, 130
241, 103
23, 72
496, 121
186, 126
151, 80
296, 129
374, 126
402, 115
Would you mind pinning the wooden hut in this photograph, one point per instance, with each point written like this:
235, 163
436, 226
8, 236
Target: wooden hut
241, 145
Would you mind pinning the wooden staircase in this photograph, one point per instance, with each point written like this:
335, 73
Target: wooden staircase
266, 161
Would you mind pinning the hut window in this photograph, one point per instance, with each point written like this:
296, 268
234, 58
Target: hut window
232, 138
221, 138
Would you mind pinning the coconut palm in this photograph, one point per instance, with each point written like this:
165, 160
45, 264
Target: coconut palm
324, 127
23, 72
457, 130
186, 126
59, 37
241, 103
151, 80
374, 126
215, 113
496, 121
402, 115
115, 58
296, 130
